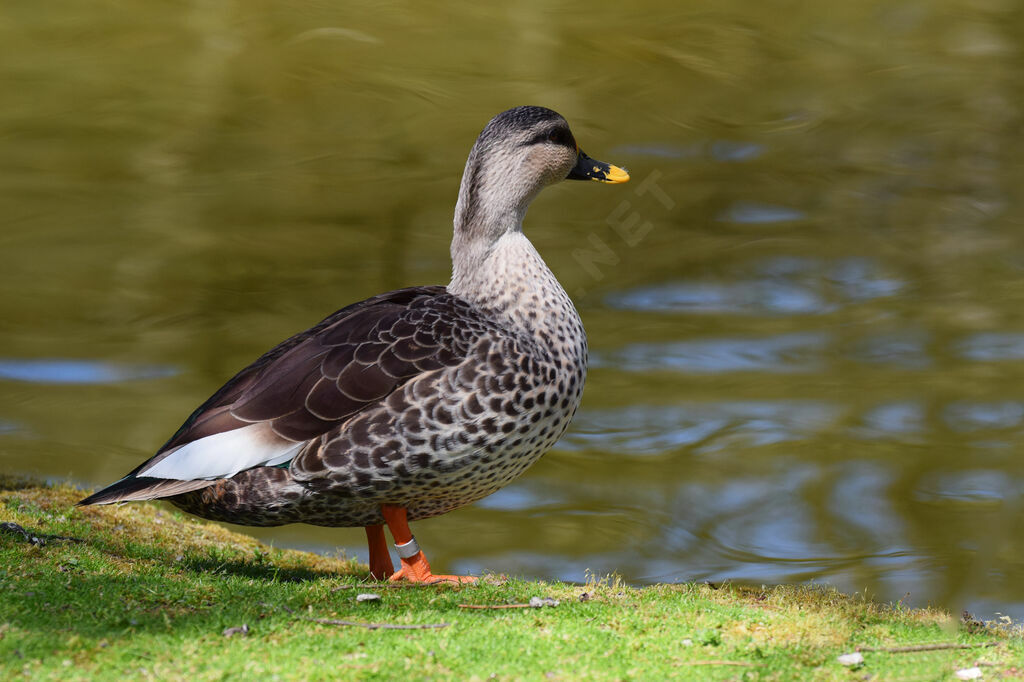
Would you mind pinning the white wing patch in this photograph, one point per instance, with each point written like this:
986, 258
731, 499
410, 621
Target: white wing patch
223, 455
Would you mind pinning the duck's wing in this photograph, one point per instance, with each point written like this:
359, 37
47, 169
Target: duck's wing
301, 389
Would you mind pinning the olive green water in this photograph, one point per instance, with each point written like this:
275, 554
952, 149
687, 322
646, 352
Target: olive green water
806, 312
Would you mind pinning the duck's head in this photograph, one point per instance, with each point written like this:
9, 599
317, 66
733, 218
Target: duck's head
519, 153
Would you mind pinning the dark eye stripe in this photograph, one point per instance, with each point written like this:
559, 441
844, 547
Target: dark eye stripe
540, 137
559, 136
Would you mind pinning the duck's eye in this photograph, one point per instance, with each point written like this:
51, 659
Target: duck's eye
563, 137
557, 136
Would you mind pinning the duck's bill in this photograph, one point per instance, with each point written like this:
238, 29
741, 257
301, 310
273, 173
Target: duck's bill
587, 168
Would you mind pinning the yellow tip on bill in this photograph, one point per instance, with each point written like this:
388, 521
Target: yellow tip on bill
616, 175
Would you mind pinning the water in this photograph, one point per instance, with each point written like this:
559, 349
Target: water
806, 311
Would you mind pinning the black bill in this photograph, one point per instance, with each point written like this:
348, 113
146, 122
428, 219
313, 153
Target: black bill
587, 168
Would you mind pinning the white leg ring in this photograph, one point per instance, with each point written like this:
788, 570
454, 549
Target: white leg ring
409, 549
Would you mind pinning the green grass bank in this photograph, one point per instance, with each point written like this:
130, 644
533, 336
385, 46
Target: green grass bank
144, 592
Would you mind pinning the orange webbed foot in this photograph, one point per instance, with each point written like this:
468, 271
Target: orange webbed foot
415, 569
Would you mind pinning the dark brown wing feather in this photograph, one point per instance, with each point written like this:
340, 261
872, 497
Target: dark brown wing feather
306, 370
311, 382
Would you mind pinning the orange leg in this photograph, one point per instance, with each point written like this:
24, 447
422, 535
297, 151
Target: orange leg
380, 560
414, 568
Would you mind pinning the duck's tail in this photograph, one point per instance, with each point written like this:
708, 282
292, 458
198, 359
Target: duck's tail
136, 488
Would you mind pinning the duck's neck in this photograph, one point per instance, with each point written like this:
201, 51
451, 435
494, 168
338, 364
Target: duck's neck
513, 282
493, 198
473, 247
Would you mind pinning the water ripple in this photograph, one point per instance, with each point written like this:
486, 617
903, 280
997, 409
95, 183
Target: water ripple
904, 349
859, 279
967, 417
646, 430
747, 298
989, 346
783, 354
781, 286
59, 371
975, 487
752, 213
726, 151
7, 427
893, 419
729, 151
518, 497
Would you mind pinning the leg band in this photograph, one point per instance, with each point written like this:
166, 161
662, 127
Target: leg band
408, 550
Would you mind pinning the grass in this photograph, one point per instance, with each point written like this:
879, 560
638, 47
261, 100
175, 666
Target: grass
145, 592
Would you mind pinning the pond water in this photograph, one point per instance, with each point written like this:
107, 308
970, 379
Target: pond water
806, 311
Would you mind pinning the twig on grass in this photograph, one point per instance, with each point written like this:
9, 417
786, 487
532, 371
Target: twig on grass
494, 606
926, 647
378, 626
368, 626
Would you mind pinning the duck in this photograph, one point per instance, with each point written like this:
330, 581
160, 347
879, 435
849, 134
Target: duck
411, 403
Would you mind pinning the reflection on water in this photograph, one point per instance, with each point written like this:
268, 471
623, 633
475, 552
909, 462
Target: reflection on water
784, 286
748, 212
705, 427
751, 298
969, 487
892, 421
898, 350
993, 346
76, 371
719, 150
976, 417
8, 427
782, 353
807, 320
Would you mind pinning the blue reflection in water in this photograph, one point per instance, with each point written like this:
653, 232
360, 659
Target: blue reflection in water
760, 527
859, 279
780, 286
991, 346
640, 430
967, 417
978, 486
784, 353
646, 430
859, 500
748, 298
752, 213
519, 497
893, 419
56, 371
724, 150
